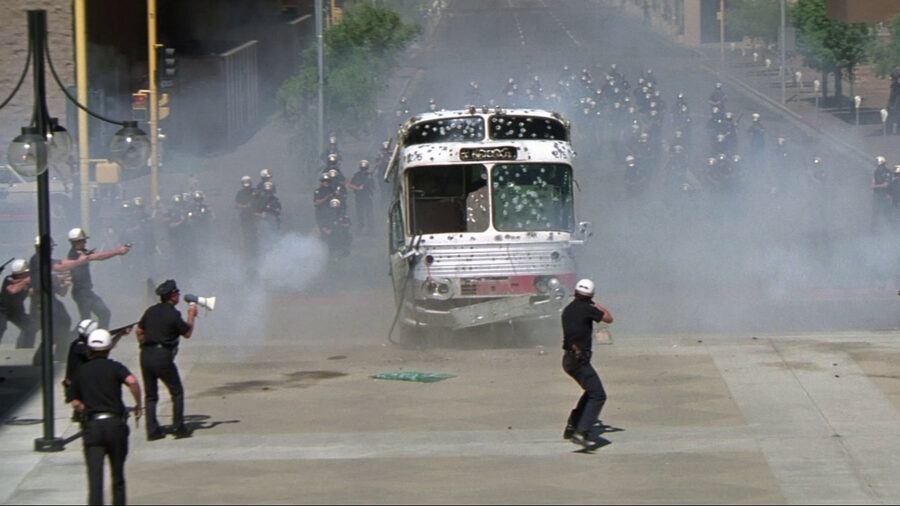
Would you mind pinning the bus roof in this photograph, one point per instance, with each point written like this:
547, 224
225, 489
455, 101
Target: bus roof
484, 112
488, 146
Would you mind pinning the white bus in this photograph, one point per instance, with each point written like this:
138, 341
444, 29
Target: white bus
482, 222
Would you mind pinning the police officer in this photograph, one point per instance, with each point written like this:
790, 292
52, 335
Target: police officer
87, 301
60, 282
267, 208
264, 175
158, 333
243, 202
881, 197
13, 293
97, 395
332, 149
321, 197
78, 355
362, 185
577, 323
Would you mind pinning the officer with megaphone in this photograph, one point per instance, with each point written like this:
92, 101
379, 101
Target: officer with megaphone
158, 333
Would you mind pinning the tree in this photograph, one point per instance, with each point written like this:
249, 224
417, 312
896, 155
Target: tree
757, 19
886, 54
359, 51
830, 46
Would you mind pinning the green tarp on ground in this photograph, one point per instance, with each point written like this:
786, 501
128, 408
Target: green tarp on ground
421, 377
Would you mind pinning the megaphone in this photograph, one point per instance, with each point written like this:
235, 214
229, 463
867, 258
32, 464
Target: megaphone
206, 302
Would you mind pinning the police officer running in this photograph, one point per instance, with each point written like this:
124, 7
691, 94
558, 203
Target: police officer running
577, 323
87, 301
157, 333
97, 394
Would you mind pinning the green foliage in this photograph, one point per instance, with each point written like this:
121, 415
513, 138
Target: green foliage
757, 19
886, 53
358, 53
827, 44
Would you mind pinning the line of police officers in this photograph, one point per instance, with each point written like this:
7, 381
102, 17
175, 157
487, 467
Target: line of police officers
260, 210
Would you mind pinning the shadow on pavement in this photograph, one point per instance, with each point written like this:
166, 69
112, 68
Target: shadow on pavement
17, 384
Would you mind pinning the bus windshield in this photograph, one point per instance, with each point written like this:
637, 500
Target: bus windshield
532, 197
511, 127
469, 128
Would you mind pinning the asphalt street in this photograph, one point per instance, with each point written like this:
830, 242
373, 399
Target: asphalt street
753, 357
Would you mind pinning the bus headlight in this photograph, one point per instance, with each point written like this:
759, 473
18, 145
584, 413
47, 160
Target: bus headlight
438, 288
546, 284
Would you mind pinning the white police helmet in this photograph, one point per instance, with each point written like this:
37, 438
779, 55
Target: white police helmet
85, 327
19, 266
246, 182
100, 340
265, 174
334, 203
363, 164
585, 287
77, 234
880, 160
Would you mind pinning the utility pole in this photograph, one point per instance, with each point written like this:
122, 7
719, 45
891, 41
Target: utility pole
84, 137
321, 67
154, 102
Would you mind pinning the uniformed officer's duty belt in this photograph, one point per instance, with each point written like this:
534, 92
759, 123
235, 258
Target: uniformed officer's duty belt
104, 416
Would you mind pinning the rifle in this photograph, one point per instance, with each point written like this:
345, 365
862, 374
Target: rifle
5, 264
117, 333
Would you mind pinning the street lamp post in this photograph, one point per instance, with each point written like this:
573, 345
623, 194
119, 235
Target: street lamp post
857, 101
321, 67
29, 153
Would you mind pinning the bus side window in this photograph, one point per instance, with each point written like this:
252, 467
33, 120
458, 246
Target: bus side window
397, 236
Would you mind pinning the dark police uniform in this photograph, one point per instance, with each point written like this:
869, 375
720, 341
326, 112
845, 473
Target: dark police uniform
87, 301
577, 323
12, 309
163, 326
62, 322
78, 356
98, 385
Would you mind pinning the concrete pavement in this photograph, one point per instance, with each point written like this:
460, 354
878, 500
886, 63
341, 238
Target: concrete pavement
706, 419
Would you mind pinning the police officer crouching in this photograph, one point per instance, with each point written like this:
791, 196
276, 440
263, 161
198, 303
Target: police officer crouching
96, 391
577, 323
157, 332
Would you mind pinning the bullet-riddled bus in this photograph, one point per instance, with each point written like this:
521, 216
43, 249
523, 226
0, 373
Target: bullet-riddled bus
482, 222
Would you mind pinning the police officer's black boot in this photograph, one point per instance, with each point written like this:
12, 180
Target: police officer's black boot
154, 431
569, 431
